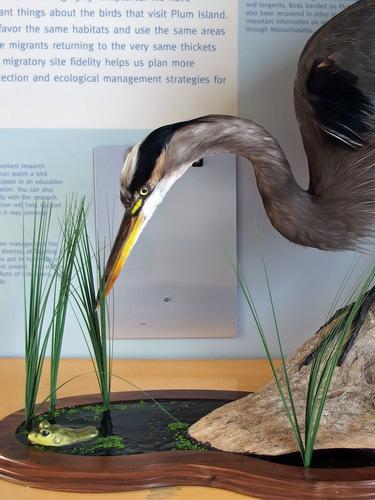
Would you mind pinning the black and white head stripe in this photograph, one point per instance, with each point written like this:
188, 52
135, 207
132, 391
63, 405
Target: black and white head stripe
149, 151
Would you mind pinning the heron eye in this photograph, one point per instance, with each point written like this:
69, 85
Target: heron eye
144, 191
44, 432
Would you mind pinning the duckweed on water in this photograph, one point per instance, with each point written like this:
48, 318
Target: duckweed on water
101, 443
178, 426
94, 412
120, 406
68, 412
182, 441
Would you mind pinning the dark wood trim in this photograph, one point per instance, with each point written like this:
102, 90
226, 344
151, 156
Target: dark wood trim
26, 465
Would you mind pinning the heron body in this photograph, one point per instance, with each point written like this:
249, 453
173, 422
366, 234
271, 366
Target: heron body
335, 106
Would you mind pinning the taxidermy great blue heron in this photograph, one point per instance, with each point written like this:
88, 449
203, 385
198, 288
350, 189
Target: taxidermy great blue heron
334, 100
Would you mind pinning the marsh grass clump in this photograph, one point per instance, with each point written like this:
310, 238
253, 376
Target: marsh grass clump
54, 281
95, 319
70, 229
323, 364
36, 299
46, 296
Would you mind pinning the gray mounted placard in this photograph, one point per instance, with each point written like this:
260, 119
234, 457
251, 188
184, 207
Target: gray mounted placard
178, 281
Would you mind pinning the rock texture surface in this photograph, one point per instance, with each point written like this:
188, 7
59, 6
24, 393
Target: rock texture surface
258, 423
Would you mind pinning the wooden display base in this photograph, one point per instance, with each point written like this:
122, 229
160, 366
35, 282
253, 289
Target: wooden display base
28, 466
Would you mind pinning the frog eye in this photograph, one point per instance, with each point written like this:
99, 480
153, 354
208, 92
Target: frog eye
44, 424
44, 432
144, 191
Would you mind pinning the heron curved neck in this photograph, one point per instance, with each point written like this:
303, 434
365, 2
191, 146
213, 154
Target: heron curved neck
294, 212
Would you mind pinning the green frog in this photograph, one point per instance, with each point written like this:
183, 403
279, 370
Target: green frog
57, 435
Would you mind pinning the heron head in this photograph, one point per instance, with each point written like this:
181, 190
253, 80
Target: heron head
149, 171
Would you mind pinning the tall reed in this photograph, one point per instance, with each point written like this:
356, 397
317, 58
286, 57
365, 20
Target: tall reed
96, 322
36, 296
70, 228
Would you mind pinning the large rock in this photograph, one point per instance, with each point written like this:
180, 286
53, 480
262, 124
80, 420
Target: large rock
258, 423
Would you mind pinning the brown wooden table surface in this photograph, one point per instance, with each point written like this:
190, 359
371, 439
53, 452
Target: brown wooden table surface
236, 375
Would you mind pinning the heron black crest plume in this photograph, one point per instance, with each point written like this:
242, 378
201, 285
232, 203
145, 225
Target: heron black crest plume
150, 149
335, 106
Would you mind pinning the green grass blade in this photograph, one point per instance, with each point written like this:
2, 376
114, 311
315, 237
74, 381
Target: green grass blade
288, 406
94, 316
70, 228
35, 305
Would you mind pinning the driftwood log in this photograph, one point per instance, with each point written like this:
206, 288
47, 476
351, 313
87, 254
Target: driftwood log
258, 423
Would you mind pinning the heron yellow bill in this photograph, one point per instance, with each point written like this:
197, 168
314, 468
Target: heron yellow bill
127, 235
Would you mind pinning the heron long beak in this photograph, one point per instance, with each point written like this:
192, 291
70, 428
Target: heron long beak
127, 235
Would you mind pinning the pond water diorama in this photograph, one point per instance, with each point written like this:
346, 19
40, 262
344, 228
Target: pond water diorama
312, 427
